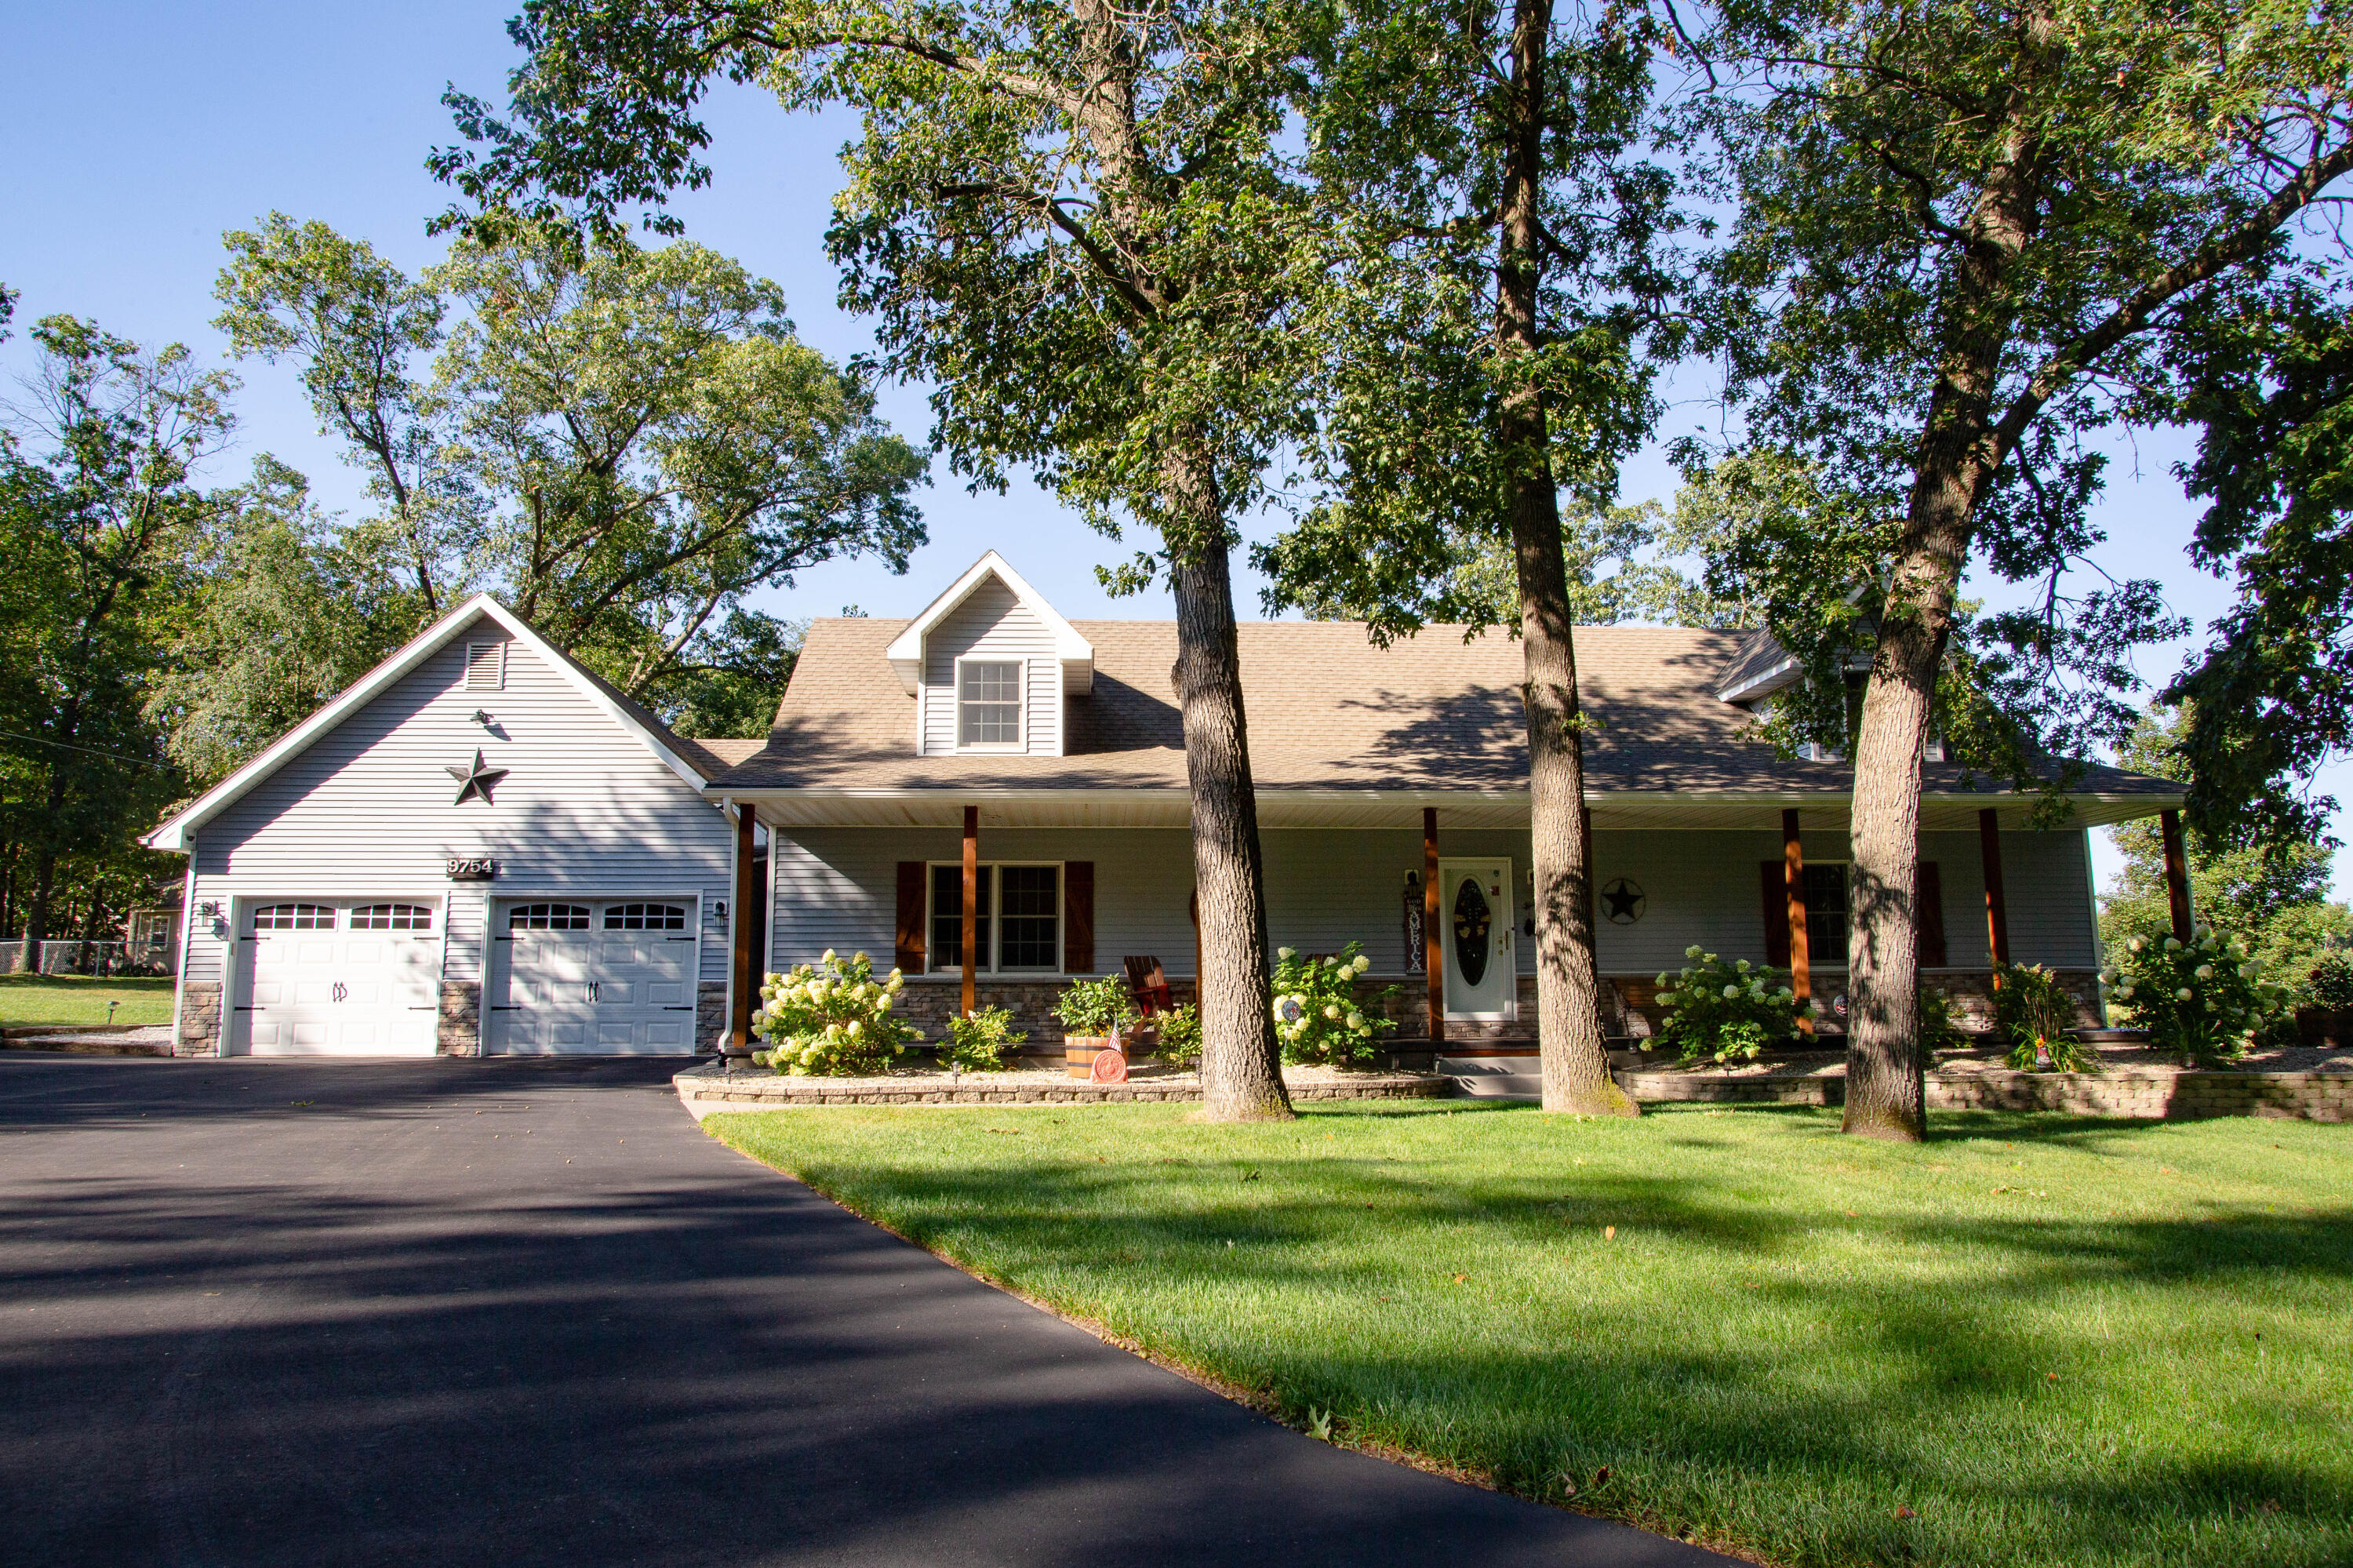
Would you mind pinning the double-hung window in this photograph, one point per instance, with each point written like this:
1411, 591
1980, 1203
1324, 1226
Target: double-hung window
1826, 913
989, 702
1017, 920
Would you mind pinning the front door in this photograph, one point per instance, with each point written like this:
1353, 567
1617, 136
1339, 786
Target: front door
1474, 913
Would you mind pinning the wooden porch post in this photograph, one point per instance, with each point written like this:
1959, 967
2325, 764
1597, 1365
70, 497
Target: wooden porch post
1793, 885
1431, 956
1996, 907
971, 907
747, 894
2177, 872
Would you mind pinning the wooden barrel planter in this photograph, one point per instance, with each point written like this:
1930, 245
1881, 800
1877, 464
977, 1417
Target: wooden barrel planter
1079, 1053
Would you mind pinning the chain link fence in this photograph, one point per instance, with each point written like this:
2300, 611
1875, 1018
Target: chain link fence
74, 956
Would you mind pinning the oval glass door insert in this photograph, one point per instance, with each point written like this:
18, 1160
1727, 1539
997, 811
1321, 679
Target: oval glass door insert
1473, 916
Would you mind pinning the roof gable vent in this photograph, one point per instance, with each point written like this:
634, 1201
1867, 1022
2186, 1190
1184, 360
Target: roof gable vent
486, 666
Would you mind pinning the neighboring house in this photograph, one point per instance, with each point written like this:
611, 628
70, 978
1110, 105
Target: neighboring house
480, 847
366, 884
1051, 753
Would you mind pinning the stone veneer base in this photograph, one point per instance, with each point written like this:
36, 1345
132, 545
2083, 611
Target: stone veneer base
705, 1089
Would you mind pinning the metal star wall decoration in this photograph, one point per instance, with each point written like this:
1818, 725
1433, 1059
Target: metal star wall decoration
475, 782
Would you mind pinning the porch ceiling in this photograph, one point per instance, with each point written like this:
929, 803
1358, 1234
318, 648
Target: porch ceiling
1617, 810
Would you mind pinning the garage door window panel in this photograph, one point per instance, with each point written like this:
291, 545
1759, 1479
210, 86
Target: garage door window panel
294, 918
548, 917
392, 918
645, 917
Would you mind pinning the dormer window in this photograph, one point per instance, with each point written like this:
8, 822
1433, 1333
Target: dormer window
989, 702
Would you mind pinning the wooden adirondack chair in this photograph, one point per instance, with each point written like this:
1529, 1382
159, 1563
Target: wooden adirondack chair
1149, 983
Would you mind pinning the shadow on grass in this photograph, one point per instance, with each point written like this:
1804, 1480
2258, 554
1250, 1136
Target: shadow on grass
1797, 1422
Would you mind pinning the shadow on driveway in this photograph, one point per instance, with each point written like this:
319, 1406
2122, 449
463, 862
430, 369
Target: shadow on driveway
521, 1312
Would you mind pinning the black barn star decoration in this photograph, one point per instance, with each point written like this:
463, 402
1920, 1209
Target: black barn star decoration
475, 782
1622, 902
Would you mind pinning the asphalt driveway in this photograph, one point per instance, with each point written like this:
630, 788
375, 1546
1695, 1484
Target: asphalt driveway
511, 1312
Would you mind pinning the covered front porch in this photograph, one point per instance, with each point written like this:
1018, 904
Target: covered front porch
999, 899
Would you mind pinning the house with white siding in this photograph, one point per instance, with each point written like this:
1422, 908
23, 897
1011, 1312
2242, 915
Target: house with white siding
1392, 805
480, 847
483, 848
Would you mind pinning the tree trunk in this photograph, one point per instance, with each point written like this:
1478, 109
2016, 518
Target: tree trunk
1241, 1066
36, 911
1575, 1065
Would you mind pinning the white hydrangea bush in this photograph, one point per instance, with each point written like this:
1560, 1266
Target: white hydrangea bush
832, 1017
1318, 1017
1710, 1010
2207, 999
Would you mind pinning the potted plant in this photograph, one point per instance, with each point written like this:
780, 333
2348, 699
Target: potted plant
1093, 1012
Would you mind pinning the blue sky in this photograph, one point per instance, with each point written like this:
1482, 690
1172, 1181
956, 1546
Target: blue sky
132, 136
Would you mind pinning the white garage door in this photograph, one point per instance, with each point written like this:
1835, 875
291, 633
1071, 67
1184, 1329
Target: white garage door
610, 978
332, 978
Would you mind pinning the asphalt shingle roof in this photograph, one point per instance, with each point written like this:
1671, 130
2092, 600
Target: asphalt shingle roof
1328, 710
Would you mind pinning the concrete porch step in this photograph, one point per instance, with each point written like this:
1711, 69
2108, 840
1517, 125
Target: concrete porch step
1494, 1077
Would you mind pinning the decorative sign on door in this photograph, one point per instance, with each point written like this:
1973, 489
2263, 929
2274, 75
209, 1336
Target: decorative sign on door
1475, 917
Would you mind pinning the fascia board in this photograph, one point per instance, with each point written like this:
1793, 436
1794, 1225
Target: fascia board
172, 834
1076, 654
597, 697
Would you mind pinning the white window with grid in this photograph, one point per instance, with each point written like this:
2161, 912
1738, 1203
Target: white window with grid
988, 704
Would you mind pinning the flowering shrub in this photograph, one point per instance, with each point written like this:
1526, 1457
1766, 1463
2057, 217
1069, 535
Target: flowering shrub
1093, 1009
1725, 1011
2204, 998
1316, 1015
977, 1044
2034, 1013
832, 1017
1180, 1037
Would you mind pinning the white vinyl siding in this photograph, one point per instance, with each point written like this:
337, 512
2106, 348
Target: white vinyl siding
836, 887
991, 625
366, 810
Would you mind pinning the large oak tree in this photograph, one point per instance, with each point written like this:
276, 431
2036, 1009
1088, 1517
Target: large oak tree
1966, 231
1076, 222
1481, 348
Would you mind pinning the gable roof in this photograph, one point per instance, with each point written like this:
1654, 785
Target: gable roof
1329, 711
907, 650
695, 762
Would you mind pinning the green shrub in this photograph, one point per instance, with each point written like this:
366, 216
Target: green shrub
2204, 999
1093, 1009
1318, 1016
2035, 1016
1710, 1010
2330, 982
978, 1041
1940, 1027
1180, 1037
832, 1017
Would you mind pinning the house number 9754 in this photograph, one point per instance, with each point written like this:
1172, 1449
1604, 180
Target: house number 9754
473, 868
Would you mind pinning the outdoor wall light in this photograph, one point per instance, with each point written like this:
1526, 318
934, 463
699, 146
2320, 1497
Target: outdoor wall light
485, 720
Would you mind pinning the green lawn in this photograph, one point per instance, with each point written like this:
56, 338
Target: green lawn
2054, 1341
73, 999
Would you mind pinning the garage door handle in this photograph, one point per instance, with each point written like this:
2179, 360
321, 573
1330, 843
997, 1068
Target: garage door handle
340, 992
592, 990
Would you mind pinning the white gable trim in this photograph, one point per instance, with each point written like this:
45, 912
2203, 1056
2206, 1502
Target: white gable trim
175, 832
1076, 654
